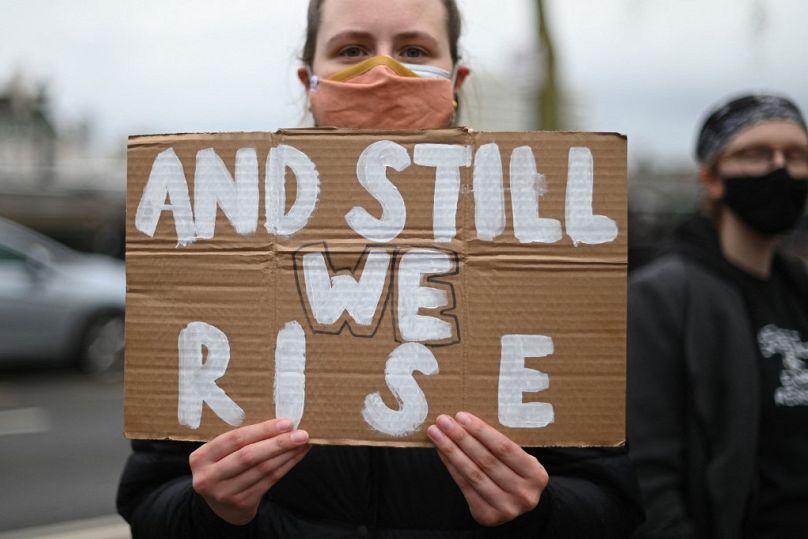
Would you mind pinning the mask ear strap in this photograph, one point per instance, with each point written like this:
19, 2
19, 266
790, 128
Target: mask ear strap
454, 85
453, 78
313, 79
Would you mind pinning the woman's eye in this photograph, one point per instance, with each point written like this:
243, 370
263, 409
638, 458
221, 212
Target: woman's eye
413, 52
352, 52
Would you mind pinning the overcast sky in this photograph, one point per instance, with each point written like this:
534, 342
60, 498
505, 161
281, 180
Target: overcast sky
644, 68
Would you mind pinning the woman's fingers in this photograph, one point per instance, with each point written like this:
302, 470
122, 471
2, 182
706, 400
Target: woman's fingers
499, 480
242, 505
469, 457
234, 470
266, 473
488, 504
474, 499
225, 444
497, 444
259, 453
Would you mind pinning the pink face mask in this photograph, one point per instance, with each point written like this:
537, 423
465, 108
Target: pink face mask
381, 93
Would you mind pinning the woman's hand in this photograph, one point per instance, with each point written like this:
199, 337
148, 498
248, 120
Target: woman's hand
499, 480
233, 471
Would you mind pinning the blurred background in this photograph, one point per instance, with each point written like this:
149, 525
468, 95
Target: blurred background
78, 77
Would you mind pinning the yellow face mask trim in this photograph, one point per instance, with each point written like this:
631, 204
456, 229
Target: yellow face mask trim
367, 65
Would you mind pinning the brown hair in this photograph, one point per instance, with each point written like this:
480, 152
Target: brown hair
453, 26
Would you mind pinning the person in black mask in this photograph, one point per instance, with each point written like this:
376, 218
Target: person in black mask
718, 340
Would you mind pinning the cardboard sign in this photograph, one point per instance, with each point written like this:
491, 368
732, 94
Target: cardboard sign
363, 282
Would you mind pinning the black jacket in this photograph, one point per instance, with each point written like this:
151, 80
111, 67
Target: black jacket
693, 388
379, 492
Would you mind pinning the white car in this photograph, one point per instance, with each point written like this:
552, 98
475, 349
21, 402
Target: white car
59, 306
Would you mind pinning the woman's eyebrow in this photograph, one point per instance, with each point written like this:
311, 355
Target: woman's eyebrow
417, 36
348, 35
362, 36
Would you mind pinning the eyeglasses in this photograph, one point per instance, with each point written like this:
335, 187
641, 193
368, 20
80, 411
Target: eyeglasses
761, 159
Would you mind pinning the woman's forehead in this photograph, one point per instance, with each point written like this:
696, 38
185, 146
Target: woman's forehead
383, 18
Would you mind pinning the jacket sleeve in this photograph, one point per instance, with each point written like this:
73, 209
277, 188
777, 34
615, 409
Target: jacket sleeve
657, 393
156, 497
592, 493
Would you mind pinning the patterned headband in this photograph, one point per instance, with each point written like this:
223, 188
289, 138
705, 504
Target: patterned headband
741, 112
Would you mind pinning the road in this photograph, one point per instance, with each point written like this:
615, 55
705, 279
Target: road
61, 447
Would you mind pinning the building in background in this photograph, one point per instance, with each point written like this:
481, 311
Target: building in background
50, 178
27, 136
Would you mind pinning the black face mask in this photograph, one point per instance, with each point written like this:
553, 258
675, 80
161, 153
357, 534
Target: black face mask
769, 204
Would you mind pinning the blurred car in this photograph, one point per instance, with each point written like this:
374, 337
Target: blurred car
59, 306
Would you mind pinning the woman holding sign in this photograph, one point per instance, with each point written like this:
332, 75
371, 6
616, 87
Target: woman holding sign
377, 64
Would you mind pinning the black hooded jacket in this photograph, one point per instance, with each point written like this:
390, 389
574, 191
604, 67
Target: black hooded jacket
693, 387
380, 492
